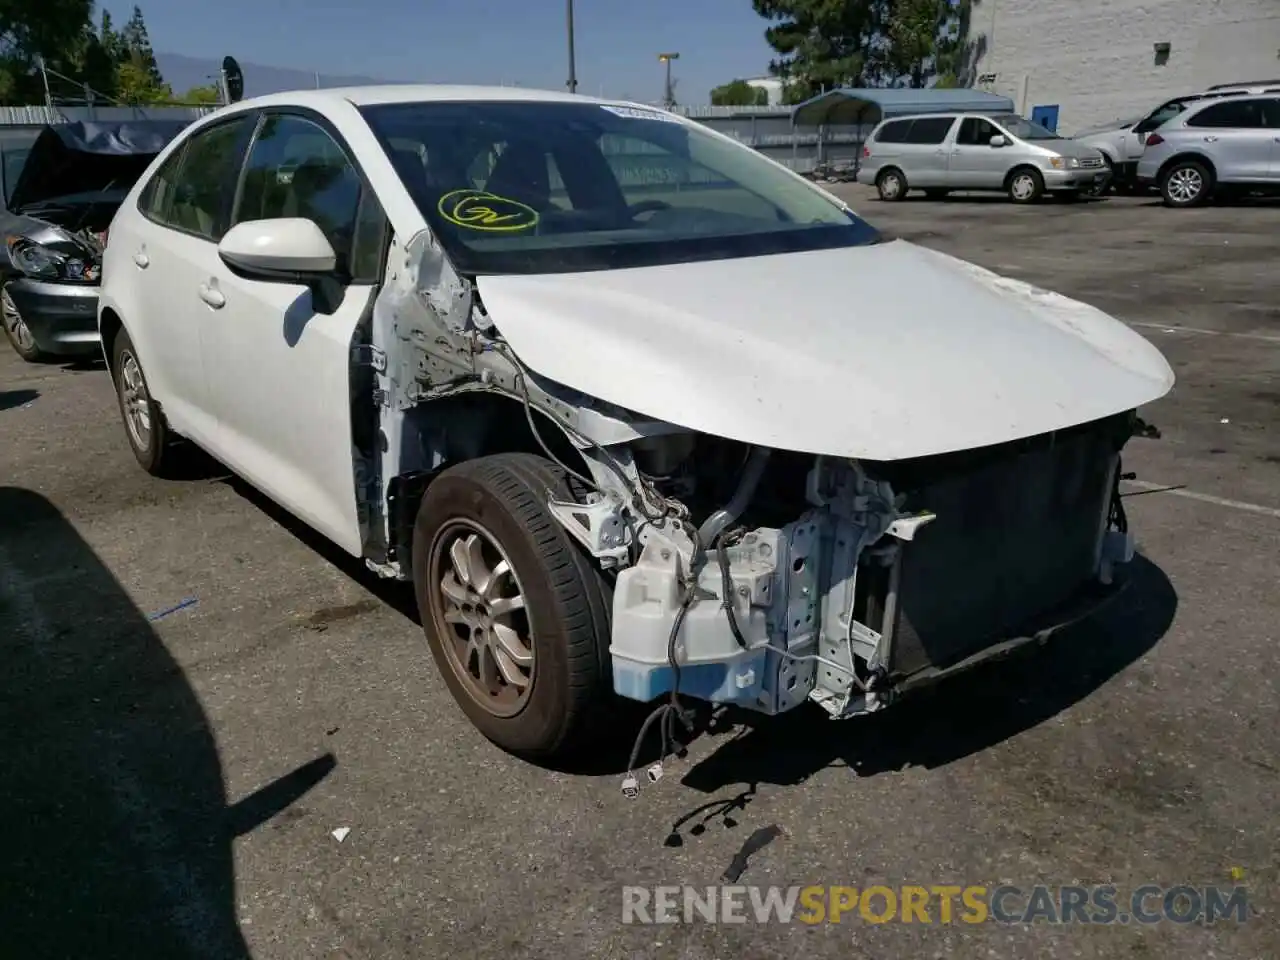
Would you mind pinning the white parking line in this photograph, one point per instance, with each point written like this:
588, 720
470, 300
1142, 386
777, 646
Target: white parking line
1205, 498
1171, 328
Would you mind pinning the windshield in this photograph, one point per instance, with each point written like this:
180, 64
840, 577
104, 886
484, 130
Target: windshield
545, 187
1023, 128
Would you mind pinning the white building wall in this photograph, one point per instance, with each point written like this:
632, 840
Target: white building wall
1096, 58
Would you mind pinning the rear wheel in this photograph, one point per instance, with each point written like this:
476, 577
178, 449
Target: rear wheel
1186, 183
17, 332
891, 184
1025, 185
153, 444
516, 615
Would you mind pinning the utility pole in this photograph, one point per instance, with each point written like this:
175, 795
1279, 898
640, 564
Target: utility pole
668, 92
573, 73
44, 75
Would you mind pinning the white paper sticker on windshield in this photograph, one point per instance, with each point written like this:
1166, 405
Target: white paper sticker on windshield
633, 113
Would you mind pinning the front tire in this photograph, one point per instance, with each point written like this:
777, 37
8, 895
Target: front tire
17, 332
149, 436
1186, 183
1026, 185
891, 184
516, 615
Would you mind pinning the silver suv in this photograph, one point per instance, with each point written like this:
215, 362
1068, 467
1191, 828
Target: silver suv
1215, 146
941, 152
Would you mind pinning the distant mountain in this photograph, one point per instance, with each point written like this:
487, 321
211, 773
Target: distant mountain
182, 73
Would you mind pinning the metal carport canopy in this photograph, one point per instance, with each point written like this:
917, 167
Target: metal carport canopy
848, 106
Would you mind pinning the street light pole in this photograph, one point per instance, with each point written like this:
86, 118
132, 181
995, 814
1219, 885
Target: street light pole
573, 73
668, 93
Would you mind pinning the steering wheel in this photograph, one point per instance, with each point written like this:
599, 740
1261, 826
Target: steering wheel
647, 206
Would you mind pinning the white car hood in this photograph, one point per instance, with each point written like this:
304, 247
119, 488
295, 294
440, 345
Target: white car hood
881, 352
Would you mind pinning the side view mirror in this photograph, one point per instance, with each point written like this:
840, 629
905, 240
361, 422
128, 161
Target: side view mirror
289, 249
998, 140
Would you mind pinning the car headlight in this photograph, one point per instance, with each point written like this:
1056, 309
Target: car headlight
35, 260
1064, 163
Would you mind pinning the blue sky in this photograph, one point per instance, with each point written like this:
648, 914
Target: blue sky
475, 41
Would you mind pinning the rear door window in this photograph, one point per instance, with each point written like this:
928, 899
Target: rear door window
192, 190
895, 131
929, 130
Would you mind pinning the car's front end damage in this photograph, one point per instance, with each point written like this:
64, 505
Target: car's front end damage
771, 535
53, 234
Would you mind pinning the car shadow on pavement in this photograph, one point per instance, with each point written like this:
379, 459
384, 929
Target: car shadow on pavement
118, 834
16, 398
969, 713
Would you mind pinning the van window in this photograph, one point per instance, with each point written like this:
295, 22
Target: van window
895, 131
929, 129
975, 132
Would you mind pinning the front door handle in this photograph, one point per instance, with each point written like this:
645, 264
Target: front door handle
212, 296
142, 260
1210, 139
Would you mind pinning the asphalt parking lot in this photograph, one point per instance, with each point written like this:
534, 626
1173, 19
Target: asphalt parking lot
197, 694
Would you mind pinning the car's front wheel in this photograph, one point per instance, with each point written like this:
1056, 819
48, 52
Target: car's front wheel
16, 330
145, 428
1025, 185
516, 615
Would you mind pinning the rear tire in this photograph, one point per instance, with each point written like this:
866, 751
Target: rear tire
17, 332
1025, 185
153, 444
891, 183
1186, 183
532, 678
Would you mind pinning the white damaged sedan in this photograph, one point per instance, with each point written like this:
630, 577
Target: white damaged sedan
638, 411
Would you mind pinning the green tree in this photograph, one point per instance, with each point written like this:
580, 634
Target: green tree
203, 94
823, 44
739, 93
33, 29
138, 77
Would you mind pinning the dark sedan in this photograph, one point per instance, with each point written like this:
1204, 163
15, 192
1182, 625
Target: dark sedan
61, 190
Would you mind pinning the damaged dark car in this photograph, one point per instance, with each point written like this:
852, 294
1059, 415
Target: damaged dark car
59, 201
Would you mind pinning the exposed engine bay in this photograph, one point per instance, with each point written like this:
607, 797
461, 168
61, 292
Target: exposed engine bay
743, 574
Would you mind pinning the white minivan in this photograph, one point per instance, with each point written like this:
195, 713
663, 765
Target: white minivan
941, 152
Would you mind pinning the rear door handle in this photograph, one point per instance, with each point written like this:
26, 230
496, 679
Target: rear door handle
1210, 139
142, 260
212, 296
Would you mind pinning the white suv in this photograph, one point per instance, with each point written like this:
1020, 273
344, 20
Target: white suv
590, 376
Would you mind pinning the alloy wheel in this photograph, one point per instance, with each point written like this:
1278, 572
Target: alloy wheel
13, 322
1185, 184
480, 616
135, 401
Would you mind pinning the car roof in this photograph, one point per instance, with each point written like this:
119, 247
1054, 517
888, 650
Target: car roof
387, 93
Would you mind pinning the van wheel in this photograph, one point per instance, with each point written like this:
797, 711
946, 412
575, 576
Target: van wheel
1025, 185
891, 184
516, 615
153, 444
1186, 183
